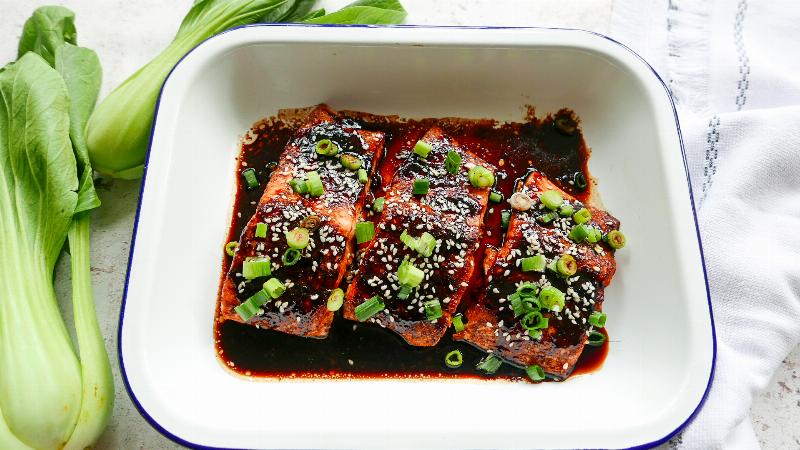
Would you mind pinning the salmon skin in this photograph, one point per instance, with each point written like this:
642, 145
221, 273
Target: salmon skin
302, 309
491, 322
452, 212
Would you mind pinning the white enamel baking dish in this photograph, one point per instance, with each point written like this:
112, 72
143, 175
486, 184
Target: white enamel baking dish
662, 337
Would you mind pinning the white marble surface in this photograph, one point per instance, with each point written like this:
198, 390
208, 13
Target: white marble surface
127, 33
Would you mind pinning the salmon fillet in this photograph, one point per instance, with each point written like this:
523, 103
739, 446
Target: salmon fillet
491, 323
452, 212
302, 309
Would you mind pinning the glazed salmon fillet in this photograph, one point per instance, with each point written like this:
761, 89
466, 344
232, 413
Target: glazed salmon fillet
450, 214
495, 326
310, 273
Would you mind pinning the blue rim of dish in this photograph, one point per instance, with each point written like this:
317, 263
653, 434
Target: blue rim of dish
186, 443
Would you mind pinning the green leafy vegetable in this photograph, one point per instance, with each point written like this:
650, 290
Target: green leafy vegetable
119, 130
48, 396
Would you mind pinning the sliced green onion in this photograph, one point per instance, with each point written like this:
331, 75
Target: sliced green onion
433, 309
256, 267
458, 323
454, 359
520, 306
250, 178
274, 287
409, 241
299, 186
310, 222
534, 321
579, 233
595, 235
552, 266
297, 238
409, 275
552, 298
547, 217
426, 244
261, 230
335, 300
489, 364
480, 177
291, 256
377, 204
520, 201
527, 290
534, 263
595, 338
566, 210
326, 147
404, 292
249, 308
566, 265
369, 308
422, 149
231, 247
363, 177
580, 180
452, 162
365, 232
421, 186
582, 216
597, 319
535, 373
505, 218
551, 199
534, 334
495, 197
615, 239
314, 183
351, 162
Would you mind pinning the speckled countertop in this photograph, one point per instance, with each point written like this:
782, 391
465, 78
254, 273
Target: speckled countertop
127, 33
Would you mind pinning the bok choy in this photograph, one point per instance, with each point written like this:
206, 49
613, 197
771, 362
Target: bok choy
50, 396
119, 130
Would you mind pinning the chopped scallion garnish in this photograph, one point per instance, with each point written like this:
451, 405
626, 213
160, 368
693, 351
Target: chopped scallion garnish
377, 204
520, 306
256, 267
404, 292
426, 244
261, 230
534, 321
314, 183
433, 309
351, 162
454, 359
291, 256
527, 290
409, 275
299, 186
365, 232
326, 147
250, 178
335, 300
566, 265
250, 307
595, 235
422, 149
533, 263
274, 287
458, 323
566, 210
551, 199
595, 338
480, 177
363, 177
615, 239
535, 373
505, 218
495, 197
547, 217
369, 308
489, 364
597, 319
579, 233
231, 247
409, 241
421, 186
310, 222
452, 162
582, 216
297, 238
552, 298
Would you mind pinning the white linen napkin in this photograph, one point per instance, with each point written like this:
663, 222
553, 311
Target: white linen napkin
732, 66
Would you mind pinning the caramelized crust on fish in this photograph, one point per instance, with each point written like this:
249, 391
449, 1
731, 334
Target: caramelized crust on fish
301, 310
491, 323
452, 212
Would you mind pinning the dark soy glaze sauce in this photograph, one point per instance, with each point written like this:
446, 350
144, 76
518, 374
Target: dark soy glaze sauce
356, 350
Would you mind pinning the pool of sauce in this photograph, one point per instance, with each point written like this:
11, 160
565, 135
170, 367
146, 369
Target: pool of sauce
358, 350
